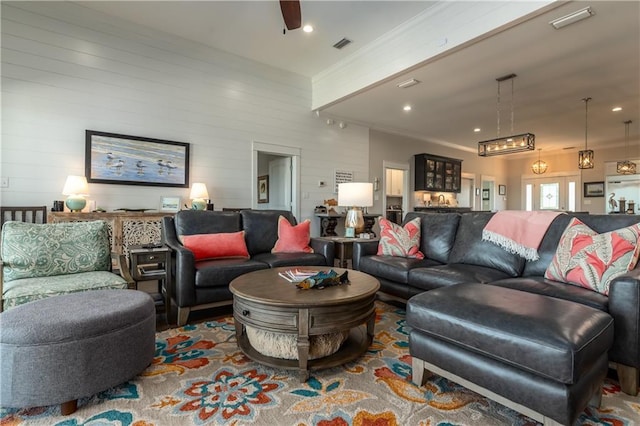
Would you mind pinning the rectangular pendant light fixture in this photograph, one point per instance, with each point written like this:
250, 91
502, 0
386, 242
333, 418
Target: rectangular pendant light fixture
507, 145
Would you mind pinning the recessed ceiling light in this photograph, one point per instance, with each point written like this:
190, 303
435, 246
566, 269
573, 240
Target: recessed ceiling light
408, 83
407, 107
477, 129
569, 19
307, 28
616, 109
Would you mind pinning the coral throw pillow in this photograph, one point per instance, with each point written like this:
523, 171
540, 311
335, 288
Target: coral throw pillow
593, 260
292, 239
215, 246
399, 241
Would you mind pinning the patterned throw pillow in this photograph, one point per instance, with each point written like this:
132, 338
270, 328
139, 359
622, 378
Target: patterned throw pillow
216, 246
399, 241
293, 239
593, 260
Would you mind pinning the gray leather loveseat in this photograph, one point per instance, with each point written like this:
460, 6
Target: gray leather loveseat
205, 283
455, 253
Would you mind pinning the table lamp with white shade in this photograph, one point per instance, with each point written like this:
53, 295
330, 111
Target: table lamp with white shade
355, 196
199, 196
76, 188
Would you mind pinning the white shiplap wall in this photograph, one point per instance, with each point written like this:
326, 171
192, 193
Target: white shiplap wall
66, 68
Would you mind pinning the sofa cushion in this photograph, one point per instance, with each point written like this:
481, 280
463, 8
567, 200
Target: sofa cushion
190, 222
559, 290
220, 245
220, 272
392, 268
470, 249
275, 260
401, 241
451, 274
437, 233
18, 292
32, 250
593, 260
293, 238
261, 228
547, 249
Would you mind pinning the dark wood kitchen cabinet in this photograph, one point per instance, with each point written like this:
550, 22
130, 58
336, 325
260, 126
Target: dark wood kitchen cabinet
435, 173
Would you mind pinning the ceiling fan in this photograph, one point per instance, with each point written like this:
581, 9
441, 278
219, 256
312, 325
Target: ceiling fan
291, 14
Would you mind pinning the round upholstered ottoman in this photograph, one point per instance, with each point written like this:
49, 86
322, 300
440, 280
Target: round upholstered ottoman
59, 349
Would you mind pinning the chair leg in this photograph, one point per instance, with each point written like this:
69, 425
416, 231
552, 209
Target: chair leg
69, 407
628, 378
183, 316
417, 371
596, 398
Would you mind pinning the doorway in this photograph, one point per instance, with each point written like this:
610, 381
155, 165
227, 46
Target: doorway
282, 165
550, 193
488, 193
466, 198
395, 183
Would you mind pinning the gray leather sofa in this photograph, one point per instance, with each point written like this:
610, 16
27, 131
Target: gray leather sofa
455, 253
205, 283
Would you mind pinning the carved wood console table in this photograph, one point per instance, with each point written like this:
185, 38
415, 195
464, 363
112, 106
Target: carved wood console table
126, 229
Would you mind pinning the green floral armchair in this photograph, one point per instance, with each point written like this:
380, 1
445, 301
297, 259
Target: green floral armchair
43, 260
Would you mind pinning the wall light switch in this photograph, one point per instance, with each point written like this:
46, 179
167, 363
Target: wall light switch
4, 182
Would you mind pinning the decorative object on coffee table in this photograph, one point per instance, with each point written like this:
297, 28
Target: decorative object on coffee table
264, 301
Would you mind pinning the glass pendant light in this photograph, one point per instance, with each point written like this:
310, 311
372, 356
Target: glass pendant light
626, 167
539, 167
585, 157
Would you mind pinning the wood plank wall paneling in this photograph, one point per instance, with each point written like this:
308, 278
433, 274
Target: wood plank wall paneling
66, 68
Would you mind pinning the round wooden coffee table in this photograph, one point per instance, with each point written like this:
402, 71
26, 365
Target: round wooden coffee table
266, 301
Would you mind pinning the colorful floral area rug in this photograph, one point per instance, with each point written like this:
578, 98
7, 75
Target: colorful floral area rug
199, 377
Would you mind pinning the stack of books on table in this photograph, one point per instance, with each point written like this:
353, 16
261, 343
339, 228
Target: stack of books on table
297, 275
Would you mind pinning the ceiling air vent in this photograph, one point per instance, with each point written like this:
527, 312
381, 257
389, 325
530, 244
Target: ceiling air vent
342, 43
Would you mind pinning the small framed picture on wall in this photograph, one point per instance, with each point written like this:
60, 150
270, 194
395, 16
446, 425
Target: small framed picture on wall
502, 189
263, 189
485, 194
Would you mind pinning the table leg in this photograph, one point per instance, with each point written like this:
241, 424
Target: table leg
239, 330
371, 323
303, 343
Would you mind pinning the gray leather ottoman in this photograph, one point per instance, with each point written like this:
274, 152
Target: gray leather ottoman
543, 357
59, 349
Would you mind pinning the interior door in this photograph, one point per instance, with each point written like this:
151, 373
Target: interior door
280, 183
550, 193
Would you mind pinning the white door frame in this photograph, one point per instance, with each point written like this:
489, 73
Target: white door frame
405, 185
566, 175
283, 150
492, 192
472, 177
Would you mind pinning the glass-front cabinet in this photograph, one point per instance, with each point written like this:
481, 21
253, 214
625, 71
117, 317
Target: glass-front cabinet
435, 173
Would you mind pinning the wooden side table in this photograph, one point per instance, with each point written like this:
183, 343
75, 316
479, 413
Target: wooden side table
328, 223
344, 247
153, 262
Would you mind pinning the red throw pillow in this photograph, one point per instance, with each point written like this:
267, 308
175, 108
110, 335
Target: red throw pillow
292, 239
216, 246
593, 260
399, 241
